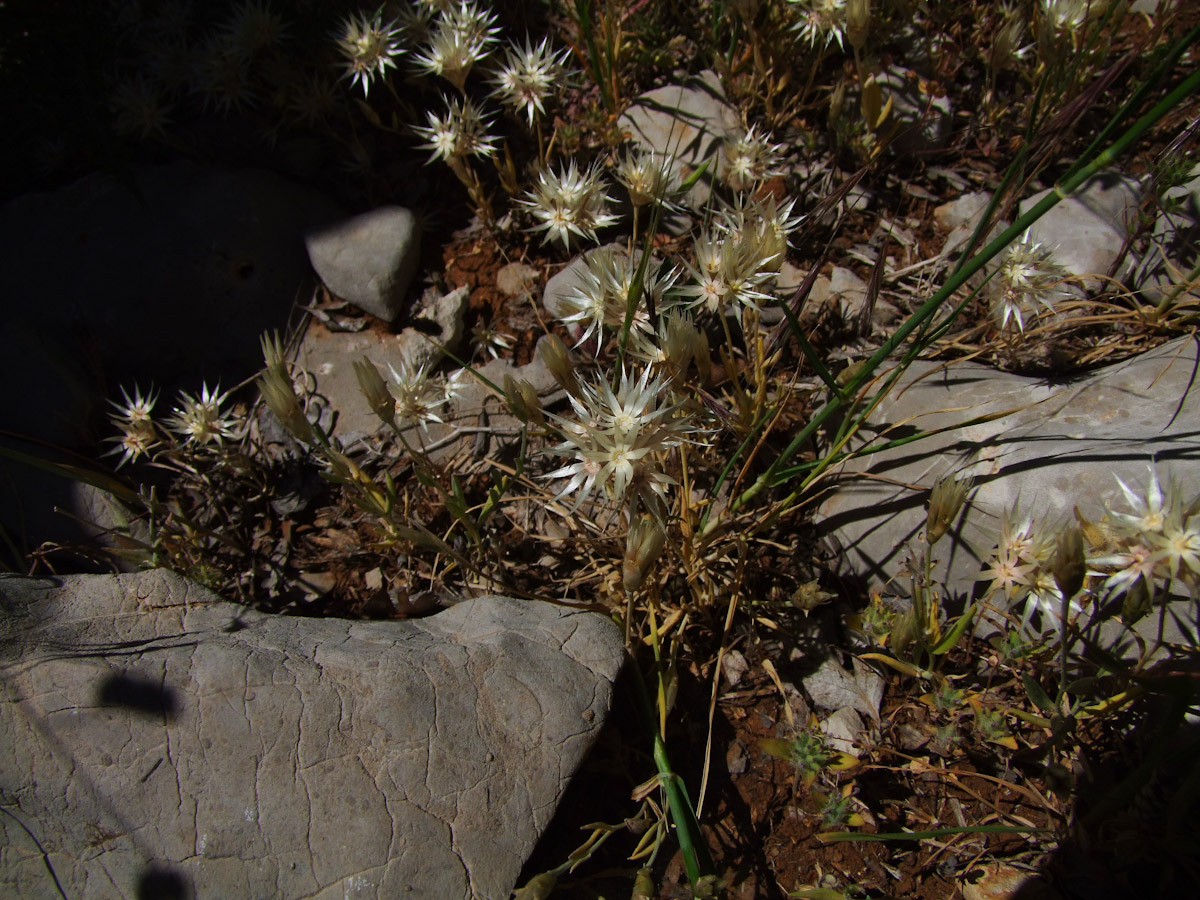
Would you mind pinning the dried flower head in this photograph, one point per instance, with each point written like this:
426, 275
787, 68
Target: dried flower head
673, 348
137, 438
1026, 276
198, 420
369, 48
729, 269
137, 410
139, 109
569, 203
649, 177
313, 99
618, 439
417, 399
528, 76
820, 22
461, 132
602, 298
489, 340
138, 434
253, 27
1006, 45
464, 35
763, 223
749, 160
222, 77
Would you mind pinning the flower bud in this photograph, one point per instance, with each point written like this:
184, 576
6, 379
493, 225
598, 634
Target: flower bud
643, 546
372, 385
945, 501
522, 399
1070, 563
837, 100
858, 22
1137, 603
280, 396
555, 355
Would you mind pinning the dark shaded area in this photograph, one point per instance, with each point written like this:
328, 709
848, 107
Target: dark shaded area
161, 883
1136, 832
599, 792
138, 694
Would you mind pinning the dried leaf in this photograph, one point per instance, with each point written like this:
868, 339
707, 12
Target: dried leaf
832, 687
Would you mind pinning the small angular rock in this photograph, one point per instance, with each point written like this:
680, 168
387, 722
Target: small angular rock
370, 259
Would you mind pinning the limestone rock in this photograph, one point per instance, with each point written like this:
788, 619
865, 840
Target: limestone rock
922, 121
151, 735
1175, 248
370, 259
1088, 229
516, 278
689, 121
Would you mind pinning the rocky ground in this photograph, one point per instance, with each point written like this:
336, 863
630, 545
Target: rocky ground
396, 740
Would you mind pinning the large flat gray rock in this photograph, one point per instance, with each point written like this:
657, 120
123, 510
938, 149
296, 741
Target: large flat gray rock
155, 738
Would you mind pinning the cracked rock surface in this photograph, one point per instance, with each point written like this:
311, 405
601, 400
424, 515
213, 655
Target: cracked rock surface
156, 738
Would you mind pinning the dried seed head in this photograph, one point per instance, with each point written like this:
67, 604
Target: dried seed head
809, 596
945, 501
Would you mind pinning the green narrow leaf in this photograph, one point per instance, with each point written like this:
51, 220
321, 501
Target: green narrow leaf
955, 634
1040, 698
834, 837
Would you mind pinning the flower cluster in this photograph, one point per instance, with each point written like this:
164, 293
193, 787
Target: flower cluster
749, 160
569, 203
461, 132
730, 268
1020, 571
1135, 554
138, 434
820, 21
462, 36
199, 421
618, 439
647, 176
418, 399
764, 224
1153, 543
